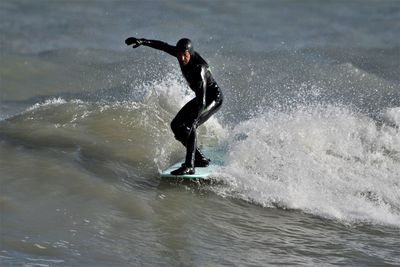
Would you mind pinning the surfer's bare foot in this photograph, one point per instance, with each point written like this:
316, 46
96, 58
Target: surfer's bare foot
184, 170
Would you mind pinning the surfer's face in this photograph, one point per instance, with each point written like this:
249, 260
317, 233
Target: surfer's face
184, 57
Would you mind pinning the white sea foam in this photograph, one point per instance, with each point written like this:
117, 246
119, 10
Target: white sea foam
392, 115
48, 102
326, 161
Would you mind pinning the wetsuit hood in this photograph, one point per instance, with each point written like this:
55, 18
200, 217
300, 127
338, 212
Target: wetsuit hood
185, 44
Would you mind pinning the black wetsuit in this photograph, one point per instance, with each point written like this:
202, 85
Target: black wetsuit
208, 99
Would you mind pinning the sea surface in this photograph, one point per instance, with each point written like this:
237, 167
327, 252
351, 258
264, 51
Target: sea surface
309, 134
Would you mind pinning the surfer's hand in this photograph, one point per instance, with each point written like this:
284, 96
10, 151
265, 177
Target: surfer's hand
133, 41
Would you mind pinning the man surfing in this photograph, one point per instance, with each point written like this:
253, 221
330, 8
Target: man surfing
208, 98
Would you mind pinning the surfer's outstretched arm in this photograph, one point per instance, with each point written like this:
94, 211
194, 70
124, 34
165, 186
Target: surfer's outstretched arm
153, 44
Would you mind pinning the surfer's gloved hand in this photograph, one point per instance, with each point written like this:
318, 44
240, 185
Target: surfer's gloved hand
134, 41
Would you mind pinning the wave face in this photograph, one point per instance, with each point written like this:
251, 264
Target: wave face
325, 160
128, 130
324, 144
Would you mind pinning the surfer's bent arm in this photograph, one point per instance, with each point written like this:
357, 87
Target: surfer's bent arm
201, 91
159, 45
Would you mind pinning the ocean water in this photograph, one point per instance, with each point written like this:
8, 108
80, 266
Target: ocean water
309, 133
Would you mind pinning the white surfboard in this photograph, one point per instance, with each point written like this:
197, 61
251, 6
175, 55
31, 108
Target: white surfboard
201, 173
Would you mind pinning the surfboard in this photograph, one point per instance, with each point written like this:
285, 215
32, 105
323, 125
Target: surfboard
202, 174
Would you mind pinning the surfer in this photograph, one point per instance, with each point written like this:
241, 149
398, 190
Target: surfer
208, 98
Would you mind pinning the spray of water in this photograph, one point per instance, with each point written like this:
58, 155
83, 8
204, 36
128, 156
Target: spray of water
323, 160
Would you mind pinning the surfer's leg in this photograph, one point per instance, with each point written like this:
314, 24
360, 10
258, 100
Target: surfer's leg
181, 124
184, 127
191, 147
211, 109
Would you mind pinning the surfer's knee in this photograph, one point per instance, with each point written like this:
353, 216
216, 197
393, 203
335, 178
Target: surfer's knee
181, 132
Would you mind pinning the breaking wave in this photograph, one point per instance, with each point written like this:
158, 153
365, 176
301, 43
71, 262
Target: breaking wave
324, 160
